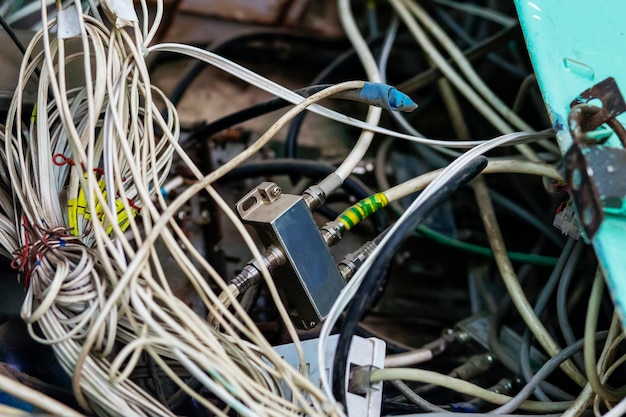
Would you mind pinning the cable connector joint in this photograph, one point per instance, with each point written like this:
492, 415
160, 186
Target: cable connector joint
353, 261
360, 382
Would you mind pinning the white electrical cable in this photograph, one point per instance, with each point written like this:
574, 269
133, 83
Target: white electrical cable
36, 398
143, 163
286, 94
404, 9
465, 66
371, 69
494, 166
87, 165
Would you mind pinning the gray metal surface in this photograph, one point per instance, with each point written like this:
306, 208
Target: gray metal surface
310, 279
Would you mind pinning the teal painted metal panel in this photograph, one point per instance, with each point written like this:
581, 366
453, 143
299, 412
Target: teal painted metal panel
573, 45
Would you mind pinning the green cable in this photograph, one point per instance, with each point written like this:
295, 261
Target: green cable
483, 251
364, 208
433, 235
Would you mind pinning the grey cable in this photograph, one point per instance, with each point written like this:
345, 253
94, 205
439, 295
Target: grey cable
426, 152
415, 398
527, 216
540, 305
502, 355
471, 42
550, 366
561, 301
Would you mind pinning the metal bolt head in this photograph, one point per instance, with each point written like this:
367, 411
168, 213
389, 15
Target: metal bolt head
275, 192
306, 325
463, 337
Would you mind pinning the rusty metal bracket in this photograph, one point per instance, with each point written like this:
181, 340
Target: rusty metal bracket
595, 172
613, 103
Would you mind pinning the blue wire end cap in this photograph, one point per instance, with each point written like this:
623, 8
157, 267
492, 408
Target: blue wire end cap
400, 101
387, 97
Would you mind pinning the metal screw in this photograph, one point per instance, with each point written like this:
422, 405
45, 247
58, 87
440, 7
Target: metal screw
275, 191
463, 337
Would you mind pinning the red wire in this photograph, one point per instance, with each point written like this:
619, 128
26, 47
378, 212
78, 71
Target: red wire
133, 205
60, 160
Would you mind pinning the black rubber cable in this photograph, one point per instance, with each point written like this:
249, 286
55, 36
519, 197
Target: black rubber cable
291, 143
477, 51
248, 113
12, 35
469, 41
7, 28
361, 299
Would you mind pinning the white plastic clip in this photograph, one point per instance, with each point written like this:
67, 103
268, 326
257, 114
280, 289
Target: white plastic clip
68, 25
122, 12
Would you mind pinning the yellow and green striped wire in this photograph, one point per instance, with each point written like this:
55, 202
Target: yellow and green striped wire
366, 207
363, 209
